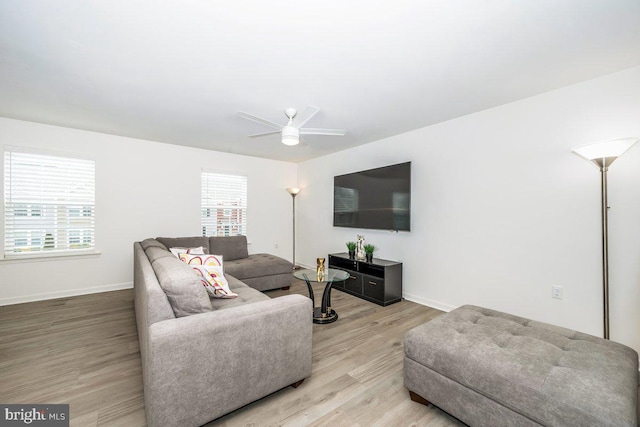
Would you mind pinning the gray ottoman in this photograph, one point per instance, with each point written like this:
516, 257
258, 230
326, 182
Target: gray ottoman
489, 368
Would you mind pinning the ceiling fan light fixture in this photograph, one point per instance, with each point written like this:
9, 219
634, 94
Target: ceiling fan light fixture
290, 135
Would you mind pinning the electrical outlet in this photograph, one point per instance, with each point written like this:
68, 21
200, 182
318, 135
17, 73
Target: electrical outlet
556, 291
276, 246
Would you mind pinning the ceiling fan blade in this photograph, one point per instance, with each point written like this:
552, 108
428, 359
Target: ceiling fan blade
301, 118
259, 120
316, 131
273, 132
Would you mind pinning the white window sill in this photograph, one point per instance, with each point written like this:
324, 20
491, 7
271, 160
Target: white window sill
49, 256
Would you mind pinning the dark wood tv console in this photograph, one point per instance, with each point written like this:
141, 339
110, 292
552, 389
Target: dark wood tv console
379, 281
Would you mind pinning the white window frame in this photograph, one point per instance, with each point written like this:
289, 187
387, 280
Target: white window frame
223, 203
48, 187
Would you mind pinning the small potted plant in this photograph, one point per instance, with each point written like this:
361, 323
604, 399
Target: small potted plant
368, 250
351, 246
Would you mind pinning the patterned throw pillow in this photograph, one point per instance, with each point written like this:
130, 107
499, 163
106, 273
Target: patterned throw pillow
200, 250
214, 281
203, 259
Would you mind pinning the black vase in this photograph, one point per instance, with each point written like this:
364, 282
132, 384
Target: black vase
369, 257
352, 254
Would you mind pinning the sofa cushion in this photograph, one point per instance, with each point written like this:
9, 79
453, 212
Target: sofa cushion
154, 252
184, 242
182, 286
246, 295
148, 243
231, 247
257, 265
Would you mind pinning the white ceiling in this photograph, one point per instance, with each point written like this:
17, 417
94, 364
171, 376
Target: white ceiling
179, 71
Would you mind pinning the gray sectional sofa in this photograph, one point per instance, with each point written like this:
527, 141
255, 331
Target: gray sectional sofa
205, 357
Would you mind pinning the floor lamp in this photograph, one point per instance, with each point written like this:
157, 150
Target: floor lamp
294, 192
603, 153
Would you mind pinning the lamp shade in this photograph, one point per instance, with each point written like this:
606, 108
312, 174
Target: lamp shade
293, 190
290, 135
610, 150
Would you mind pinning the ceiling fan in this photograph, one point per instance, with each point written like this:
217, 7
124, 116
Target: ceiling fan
293, 129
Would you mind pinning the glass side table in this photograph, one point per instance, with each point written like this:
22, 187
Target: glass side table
324, 313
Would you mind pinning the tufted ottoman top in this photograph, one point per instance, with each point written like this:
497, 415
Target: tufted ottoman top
552, 375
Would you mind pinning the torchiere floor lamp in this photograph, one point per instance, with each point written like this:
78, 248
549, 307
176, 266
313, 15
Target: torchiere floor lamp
294, 192
603, 153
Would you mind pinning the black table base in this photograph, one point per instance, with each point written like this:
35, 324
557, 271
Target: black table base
324, 313
329, 317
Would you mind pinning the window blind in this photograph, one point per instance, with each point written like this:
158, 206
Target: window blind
224, 204
49, 204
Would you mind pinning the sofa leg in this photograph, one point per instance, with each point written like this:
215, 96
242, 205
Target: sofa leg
286, 288
297, 383
417, 398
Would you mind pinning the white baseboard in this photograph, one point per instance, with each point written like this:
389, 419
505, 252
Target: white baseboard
428, 302
64, 294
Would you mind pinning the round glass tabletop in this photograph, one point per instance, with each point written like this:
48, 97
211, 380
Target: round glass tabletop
330, 275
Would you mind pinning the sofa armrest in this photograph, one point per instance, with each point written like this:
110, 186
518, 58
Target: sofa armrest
206, 365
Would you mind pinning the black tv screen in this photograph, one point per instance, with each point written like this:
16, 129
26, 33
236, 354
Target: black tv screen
378, 199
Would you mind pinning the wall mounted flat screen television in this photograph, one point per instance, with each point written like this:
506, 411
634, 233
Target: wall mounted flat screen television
378, 199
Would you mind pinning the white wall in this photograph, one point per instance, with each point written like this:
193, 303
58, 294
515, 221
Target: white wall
502, 210
501, 207
143, 189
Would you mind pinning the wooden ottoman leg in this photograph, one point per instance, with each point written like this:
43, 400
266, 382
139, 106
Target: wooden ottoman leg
417, 398
297, 383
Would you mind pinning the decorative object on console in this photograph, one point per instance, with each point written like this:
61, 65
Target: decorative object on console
294, 192
360, 247
351, 246
320, 269
603, 153
369, 249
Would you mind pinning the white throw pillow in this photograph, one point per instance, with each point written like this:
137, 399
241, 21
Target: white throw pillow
214, 281
207, 259
200, 250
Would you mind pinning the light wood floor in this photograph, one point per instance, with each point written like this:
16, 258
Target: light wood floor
84, 351
357, 372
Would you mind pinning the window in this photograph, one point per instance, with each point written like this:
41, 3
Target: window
224, 204
49, 204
